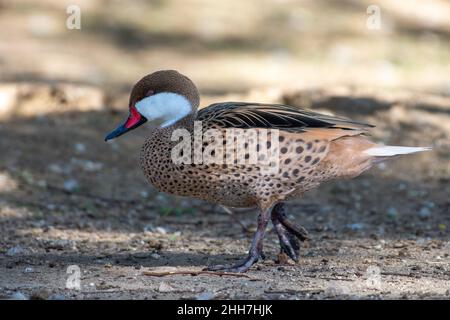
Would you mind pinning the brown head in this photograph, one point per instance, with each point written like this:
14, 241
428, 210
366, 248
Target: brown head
164, 96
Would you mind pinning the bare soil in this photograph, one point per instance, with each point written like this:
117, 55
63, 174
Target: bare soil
67, 198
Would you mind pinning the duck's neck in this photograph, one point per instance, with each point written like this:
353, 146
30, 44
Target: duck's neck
165, 134
186, 122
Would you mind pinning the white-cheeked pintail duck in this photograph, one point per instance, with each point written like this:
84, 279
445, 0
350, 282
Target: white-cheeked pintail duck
239, 154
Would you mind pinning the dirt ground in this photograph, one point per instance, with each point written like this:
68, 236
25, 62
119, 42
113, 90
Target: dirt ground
69, 201
67, 198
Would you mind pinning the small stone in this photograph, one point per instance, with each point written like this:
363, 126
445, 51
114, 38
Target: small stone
57, 296
155, 244
392, 213
165, 287
378, 247
80, 147
143, 194
356, 226
71, 185
18, 296
155, 256
401, 186
149, 228
28, 270
14, 251
56, 168
161, 230
206, 296
425, 212
91, 166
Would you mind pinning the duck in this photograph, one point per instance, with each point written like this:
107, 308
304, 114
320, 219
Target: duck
245, 155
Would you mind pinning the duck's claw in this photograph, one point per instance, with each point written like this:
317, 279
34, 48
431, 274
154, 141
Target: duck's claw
289, 243
278, 213
242, 266
289, 233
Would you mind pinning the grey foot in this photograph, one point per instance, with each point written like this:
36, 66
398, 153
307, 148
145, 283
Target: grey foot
289, 233
242, 266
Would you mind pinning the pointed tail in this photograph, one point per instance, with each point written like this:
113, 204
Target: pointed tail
389, 151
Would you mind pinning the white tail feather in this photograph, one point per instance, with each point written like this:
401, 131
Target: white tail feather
389, 151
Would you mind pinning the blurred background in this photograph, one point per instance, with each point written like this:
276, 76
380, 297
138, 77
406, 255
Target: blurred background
67, 197
229, 46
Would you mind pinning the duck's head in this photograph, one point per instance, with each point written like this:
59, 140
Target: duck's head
163, 97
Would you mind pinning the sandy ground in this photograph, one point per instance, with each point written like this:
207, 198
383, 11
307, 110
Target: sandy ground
69, 199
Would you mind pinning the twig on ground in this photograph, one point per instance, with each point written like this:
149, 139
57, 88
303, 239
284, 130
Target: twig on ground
327, 278
194, 273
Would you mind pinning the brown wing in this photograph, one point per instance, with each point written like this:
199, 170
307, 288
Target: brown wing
257, 115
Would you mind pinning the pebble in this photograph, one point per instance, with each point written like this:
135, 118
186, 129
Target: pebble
18, 296
143, 194
392, 213
155, 256
401, 186
165, 287
55, 168
161, 230
71, 184
424, 212
87, 165
356, 226
15, 251
57, 296
80, 147
206, 296
28, 270
149, 227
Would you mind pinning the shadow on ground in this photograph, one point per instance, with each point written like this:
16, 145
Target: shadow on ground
69, 198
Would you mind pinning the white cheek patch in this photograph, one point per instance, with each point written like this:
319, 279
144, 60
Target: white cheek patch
166, 107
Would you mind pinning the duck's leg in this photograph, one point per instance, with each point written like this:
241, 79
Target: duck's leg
255, 251
289, 233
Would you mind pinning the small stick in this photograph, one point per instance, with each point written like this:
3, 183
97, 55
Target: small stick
194, 273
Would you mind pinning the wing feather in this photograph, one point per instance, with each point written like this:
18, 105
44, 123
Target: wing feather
257, 115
